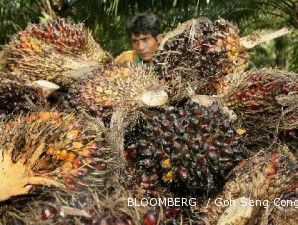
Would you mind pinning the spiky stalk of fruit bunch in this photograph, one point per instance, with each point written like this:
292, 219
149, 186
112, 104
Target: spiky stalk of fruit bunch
264, 100
29, 59
290, 138
188, 149
48, 148
117, 87
260, 179
200, 52
15, 97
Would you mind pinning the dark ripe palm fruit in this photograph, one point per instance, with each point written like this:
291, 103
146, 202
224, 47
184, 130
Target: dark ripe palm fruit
48, 212
264, 177
264, 99
46, 148
58, 51
113, 87
15, 97
184, 152
201, 52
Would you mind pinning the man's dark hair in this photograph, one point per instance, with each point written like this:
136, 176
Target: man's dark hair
143, 23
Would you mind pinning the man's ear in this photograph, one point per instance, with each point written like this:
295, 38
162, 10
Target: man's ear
159, 38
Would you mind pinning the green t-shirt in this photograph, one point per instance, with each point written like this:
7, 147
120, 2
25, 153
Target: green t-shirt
139, 60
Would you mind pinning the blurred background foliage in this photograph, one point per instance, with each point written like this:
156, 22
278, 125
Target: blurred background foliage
107, 20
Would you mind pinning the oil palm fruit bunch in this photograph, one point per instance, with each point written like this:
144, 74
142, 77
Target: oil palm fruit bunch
90, 206
286, 214
117, 87
270, 174
39, 61
253, 186
67, 36
264, 100
58, 51
187, 148
200, 52
15, 97
48, 148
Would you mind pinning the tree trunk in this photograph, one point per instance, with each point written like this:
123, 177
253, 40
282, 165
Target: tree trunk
281, 52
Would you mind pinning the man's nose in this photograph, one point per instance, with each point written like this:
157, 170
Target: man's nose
141, 46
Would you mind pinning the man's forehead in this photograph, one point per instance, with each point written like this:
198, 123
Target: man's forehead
140, 36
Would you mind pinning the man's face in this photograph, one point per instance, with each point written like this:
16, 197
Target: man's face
145, 45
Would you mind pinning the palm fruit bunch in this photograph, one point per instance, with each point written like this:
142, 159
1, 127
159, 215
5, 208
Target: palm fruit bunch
252, 188
58, 51
186, 148
116, 87
260, 94
287, 213
50, 148
15, 97
69, 37
200, 52
90, 206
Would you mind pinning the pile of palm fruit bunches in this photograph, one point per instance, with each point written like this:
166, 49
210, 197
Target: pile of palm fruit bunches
86, 141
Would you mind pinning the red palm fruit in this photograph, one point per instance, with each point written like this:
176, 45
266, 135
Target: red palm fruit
48, 212
149, 219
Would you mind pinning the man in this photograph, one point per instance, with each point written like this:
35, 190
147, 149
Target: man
142, 30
